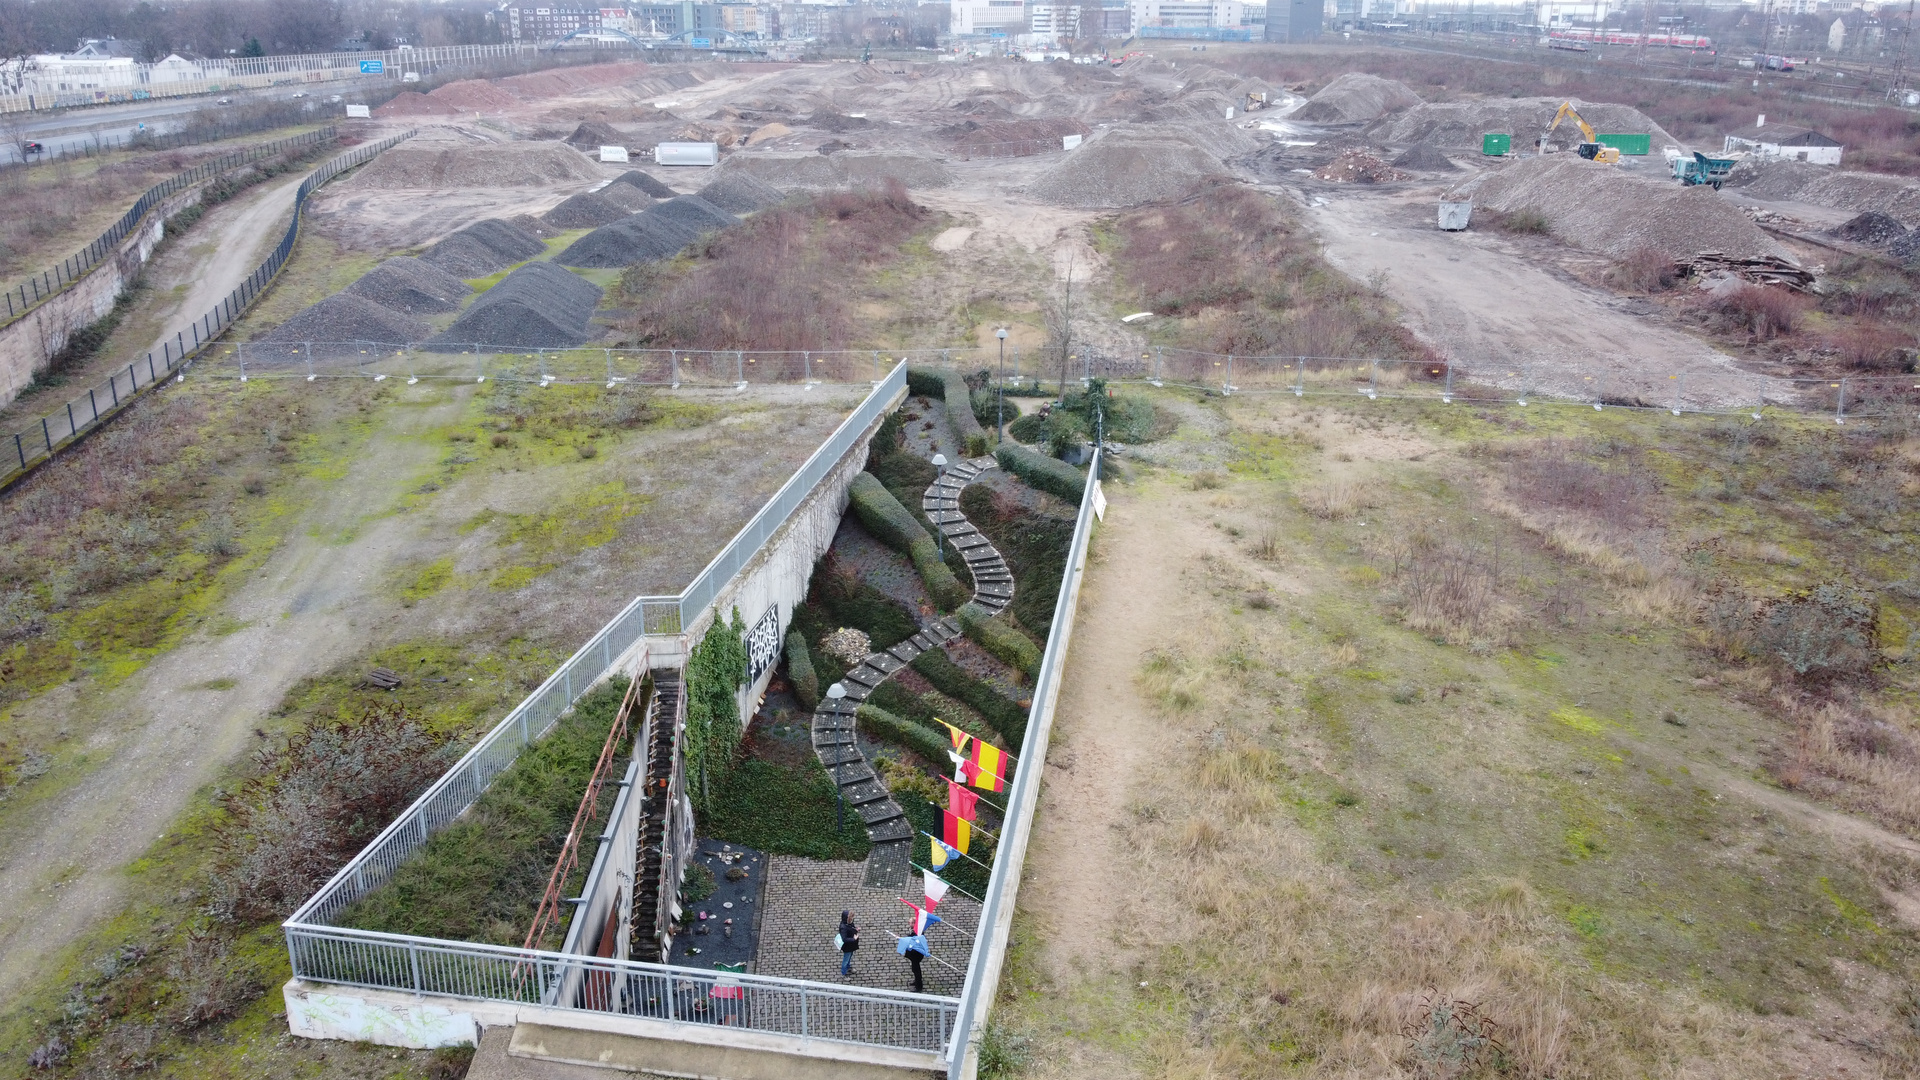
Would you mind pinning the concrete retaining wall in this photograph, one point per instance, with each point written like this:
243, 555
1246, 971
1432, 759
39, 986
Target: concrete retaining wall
29, 343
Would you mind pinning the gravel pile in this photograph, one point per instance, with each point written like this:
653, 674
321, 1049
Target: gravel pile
1126, 167
1194, 107
645, 237
483, 247
1894, 196
501, 165
694, 213
1424, 157
1600, 208
817, 172
837, 122
593, 135
474, 95
1358, 167
625, 196
741, 193
1907, 248
1459, 125
1355, 98
1872, 228
340, 321
539, 306
646, 183
586, 210
411, 286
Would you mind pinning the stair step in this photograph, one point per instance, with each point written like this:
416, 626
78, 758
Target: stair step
874, 813
894, 829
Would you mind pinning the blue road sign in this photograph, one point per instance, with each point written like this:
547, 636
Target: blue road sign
373, 67
702, 43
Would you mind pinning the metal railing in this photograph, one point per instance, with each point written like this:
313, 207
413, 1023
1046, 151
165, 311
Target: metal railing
996, 909
102, 401
24, 296
808, 1010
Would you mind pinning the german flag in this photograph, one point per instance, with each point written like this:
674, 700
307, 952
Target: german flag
955, 832
989, 772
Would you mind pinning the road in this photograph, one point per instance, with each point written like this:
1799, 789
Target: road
67, 130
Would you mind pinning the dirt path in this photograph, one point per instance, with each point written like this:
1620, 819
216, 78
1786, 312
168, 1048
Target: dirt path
226, 246
1486, 305
304, 611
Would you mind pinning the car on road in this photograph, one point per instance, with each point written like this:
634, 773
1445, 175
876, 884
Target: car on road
33, 148
224, 101
299, 93
334, 99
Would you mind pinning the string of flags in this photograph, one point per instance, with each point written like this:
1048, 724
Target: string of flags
985, 767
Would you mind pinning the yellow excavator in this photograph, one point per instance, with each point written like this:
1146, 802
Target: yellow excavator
1591, 148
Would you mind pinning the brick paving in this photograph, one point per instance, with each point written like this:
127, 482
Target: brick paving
833, 737
802, 912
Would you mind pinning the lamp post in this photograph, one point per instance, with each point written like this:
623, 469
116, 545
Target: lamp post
939, 534
1000, 391
835, 693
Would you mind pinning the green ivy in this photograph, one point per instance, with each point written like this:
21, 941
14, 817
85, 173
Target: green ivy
715, 670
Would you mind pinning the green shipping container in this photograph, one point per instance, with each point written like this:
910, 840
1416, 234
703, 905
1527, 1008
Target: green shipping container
1495, 145
1627, 144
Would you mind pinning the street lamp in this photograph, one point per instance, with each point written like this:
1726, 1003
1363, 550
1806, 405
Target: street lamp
939, 534
1000, 391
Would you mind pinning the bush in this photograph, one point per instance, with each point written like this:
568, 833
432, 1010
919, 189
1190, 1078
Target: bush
1519, 222
715, 669
926, 383
1030, 428
1000, 639
1006, 717
1762, 311
784, 810
852, 602
806, 684
960, 408
1048, 474
482, 877
884, 726
1644, 269
1825, 631
892, 525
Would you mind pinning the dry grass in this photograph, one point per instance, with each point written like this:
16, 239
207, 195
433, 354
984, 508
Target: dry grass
1865, 757
1337, 499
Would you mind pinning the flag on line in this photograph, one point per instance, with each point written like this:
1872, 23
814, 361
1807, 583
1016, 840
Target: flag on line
941, 855
922, 917
962, 803
989, 767
936, 889
959, 737
955, 832
729, 989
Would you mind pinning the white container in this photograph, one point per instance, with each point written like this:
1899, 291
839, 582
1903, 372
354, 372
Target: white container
687, 153
1068, 142
1455, 215
613, 153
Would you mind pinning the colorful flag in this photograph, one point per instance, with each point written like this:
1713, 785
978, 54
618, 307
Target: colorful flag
936, 888
941, 856
962, 803
959, 737
729, 989
989, 772
922, 917
961, 767
955, 831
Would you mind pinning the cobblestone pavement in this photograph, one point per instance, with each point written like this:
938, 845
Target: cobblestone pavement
833, 722
802, 913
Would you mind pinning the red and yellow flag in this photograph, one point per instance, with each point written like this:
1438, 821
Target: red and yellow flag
955, 832
959, 737
989, 772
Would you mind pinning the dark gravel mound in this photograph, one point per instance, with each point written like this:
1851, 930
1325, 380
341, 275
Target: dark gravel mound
411, 286
539, 306
695, 213
584, 211
837, 122
647, 237
593, 135
335, 324
1872, 228
1424, 157
483, 247
741, 193
626, 197
1907, 248
645, 183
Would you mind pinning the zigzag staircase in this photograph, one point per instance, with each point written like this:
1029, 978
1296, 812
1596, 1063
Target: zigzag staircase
654, 894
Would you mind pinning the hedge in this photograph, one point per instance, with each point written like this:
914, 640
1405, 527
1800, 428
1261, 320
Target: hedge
1006, 717
1000, 639
925, 383
966, 427
880, 724
1050, 475
892, 525
806, 684
784, 810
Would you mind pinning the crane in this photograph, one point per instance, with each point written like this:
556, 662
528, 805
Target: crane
1591, 148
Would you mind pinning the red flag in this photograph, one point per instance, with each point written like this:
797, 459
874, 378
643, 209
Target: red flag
989, 772
962, 803
955, 832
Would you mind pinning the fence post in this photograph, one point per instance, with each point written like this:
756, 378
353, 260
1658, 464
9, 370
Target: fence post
1373, 379
1679, 389
1840, 406
674, 359
20, 449
72, 428
806, 358
1300, 376
413, 961
1446, 396
47, 435
1227, 386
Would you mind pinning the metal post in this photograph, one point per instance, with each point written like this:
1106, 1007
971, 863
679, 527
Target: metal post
1227, 387
1840, 406
113, 387
47, 435
20, 449
807, 359
1446, 396
413, 961
1373, 379
740, 366
72, 428
1300, 376
675, 356
1679, 391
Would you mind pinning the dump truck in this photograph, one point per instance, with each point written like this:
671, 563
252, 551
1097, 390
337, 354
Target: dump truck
1701, 169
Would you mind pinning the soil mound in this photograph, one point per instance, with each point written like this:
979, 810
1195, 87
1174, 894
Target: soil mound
821, 172
1603, 209
741, 193
1458, 125
342, 324
1895, 196
837, 122
539, 306
1358, 167
1131, 165
1872, 228
503, 165
1424, 157
412, 286
483, 247
474, 95
414, 103
646, 183
593, 134
586, 210
1357, 97
645, 237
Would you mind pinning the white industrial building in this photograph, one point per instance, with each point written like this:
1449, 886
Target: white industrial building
987, 18
1189, 14
1783, 141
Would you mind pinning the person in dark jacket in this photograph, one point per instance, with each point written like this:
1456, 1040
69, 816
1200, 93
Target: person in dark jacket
849, 938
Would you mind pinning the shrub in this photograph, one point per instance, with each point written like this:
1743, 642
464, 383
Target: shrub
806, 684
880, 724
960, 407
1519, 222
1006, 717
715, 669
1048, 474
924, 382
1065, 431
1030, 428
1000, 639
1823, 632
892, 525
1644, 269
784, 810
1762, 311
852, 602
1872, 346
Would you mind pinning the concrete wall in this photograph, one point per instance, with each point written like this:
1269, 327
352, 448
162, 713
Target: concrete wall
27, 344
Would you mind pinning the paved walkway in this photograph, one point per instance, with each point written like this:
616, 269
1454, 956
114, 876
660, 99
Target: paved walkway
802, 913
892, 835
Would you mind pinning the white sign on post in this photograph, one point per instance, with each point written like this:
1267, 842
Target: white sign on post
1099, 501
1068, 142
613, 153
359, 112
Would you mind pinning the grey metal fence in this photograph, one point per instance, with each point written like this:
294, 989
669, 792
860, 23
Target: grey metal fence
808, 1010
25, 295
646, 615
82, 414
